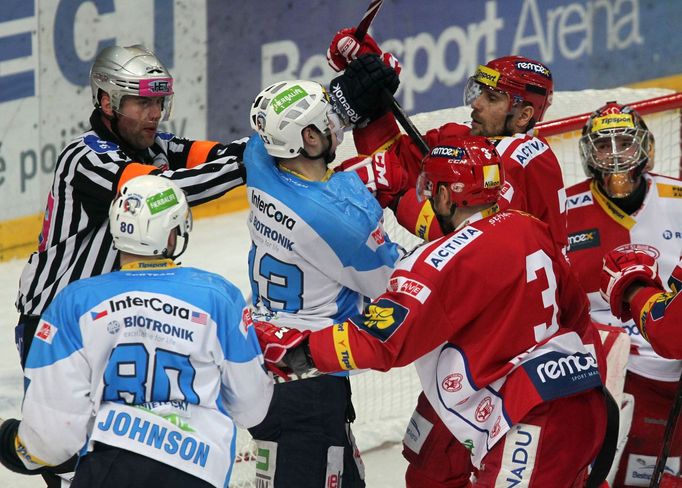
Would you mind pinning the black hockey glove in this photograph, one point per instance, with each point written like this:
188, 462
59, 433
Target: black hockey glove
361, 93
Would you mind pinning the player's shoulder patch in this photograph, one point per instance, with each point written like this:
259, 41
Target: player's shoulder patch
668, 187
525, 148
409, 286
100, 146
579, 200
46, 331
449, 246
382, 318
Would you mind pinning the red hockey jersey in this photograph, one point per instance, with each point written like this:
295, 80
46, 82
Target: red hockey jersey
494, 317
533, 179
595, 226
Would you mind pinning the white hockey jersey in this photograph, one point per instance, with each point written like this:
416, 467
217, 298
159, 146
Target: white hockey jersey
157, 360
317, 247
595, 226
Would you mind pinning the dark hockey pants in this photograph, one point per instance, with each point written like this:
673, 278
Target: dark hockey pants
305, 419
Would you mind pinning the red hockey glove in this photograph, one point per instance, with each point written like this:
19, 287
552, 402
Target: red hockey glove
383, 175
344, 48
277, 343
622, 267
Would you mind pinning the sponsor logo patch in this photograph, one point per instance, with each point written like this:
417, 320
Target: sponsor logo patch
518, 458
382, 318
640, 469
441, 255
46, 332
557, 374
407, 286
287, 98
487, 76
162, 201
535, 68
669, 191
342, 346
416, 433
583, 239
448, 152
528, 151
580, 200
615, 121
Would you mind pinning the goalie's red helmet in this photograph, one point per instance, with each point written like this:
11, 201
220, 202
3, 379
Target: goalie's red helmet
523, 79
470, 167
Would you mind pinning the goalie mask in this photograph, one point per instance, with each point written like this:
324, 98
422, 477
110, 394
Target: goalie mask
470, 167
281, 112
132, 70
145, 212
521, 79
616, 147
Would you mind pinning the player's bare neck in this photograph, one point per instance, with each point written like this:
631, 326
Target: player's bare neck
313, 170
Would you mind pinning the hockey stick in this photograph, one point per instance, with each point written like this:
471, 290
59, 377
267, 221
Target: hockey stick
667, 438
398, 112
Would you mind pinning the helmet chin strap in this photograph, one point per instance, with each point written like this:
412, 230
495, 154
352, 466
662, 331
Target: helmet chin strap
185, 240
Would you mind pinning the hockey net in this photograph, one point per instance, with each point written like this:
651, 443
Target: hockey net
384, 401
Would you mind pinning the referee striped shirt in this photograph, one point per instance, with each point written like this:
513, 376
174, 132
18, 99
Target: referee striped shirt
75, 241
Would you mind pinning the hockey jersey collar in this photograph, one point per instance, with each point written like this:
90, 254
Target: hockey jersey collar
147, 264
484, 214
612, 210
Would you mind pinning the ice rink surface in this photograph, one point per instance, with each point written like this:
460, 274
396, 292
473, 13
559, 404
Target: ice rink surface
217, 244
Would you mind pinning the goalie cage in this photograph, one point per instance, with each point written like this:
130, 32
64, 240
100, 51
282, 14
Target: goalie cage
384, 401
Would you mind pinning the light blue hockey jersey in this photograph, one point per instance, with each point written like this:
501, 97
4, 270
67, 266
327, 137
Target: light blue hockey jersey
158, 360
317, 247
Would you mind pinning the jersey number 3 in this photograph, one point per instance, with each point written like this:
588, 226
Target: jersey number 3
278, 284
535, 262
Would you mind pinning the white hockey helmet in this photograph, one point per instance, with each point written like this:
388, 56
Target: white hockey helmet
281, 111
132, 70
146, 210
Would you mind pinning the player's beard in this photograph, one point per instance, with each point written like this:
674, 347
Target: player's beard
445, 221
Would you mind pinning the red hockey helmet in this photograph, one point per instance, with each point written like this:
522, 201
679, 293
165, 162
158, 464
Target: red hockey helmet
523, 79
470, 167
616, 146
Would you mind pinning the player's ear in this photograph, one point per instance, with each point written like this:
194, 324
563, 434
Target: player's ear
309, 135
105, 104
524, 115
441, 201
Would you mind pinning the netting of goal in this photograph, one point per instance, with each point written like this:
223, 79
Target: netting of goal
384, 401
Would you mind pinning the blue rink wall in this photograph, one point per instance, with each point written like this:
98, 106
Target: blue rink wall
223, 52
